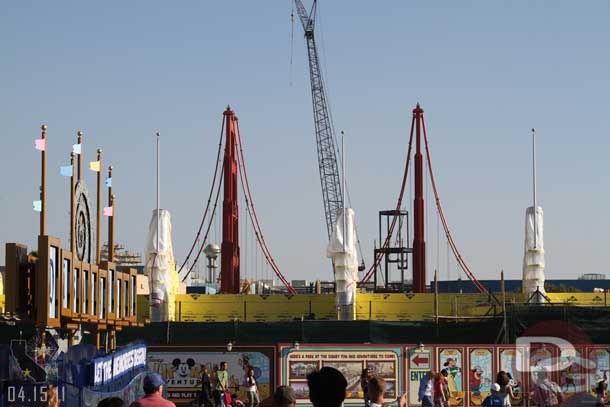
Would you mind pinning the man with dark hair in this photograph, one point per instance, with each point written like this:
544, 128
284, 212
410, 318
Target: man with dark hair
284, 397
376, 389
326, 387
153, 387
222, 385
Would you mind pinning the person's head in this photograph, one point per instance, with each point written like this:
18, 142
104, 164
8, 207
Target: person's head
601, 386
495, 387
376, 389
444, 373
284, 397
251, 372
429, 375
153, 383
204, 369
223, 365
326, 387
111, 402
502, 379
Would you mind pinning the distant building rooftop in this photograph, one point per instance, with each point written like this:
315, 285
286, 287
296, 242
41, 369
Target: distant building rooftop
586, 285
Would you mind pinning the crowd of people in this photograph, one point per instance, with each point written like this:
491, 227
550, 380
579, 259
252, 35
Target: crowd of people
327, 388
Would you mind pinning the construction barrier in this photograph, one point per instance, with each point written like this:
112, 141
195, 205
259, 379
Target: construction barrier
472, 368
374, 307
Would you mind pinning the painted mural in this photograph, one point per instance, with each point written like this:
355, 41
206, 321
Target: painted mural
571, 376
511, 361
600, 366
452, 359
480, 375
182, 371
383, 362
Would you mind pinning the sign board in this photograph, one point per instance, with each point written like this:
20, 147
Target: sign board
419, 360
181, 368
420, 363
108, 368
350, 361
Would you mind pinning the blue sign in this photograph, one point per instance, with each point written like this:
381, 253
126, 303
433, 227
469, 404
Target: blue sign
109, 368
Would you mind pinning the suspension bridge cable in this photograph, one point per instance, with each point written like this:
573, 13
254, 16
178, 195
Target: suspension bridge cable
207, 207
211, 221
252, 212
454, 248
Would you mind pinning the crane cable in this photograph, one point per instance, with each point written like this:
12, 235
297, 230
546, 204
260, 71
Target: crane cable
209, 199
386, 242
253, 217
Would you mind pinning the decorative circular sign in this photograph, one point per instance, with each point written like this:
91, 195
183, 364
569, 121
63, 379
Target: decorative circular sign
82, 222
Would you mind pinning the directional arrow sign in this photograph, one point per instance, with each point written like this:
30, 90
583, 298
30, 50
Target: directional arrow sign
420, 360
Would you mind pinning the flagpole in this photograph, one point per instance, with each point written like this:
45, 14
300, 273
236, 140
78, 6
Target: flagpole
72, 204
43, 183
158, 192
343, 171
110, 218
99, 206
79, 159
534, 186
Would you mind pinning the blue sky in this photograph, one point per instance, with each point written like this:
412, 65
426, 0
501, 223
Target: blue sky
484, 72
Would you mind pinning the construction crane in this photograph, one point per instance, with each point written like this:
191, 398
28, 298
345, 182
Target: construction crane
325, 139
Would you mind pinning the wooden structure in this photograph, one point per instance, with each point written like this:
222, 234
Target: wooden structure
60, 288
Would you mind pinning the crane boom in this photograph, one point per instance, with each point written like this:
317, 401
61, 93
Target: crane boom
325, 141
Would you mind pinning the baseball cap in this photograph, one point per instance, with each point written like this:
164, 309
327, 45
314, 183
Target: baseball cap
152, 381
284, 396
495, 387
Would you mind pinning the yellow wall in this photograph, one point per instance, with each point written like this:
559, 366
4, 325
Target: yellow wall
388, 307
381, 307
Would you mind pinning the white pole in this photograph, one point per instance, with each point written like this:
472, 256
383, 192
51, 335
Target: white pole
158, 193
534, 187
344, 209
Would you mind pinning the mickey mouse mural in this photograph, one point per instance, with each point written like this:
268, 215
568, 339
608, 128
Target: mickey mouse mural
183, 373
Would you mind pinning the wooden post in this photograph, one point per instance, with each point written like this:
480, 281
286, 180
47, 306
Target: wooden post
72, 204
79, 160
99, 208
504, 325
436, 296
43, 183
111, 198
98, 341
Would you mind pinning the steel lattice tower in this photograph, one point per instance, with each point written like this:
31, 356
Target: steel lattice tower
325, 140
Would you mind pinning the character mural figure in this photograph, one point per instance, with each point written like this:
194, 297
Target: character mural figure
451, 359
480, 375
511, 361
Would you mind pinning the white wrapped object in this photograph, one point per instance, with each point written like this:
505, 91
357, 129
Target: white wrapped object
161, 267
533, 258
345, 261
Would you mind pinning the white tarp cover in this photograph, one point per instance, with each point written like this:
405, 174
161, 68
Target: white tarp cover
345, 261
161, 267
533, 258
